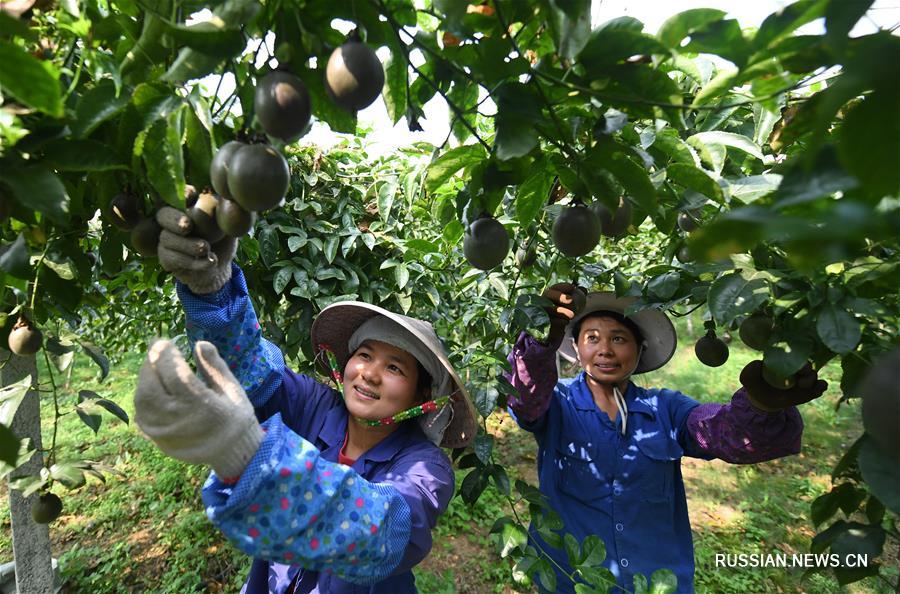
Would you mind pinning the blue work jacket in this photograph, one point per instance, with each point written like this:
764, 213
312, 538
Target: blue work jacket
627, 489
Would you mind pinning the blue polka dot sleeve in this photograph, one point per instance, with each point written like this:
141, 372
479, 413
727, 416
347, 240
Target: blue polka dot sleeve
226, 318
291, 506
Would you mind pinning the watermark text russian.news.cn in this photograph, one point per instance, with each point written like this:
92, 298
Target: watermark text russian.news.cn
801, 560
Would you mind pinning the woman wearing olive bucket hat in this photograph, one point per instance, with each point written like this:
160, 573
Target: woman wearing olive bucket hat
610, 451
329, 490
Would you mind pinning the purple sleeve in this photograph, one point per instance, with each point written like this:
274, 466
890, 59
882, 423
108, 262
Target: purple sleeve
534, 377
739, 433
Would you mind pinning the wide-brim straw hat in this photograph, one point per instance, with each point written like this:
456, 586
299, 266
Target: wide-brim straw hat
335, 325
656, 329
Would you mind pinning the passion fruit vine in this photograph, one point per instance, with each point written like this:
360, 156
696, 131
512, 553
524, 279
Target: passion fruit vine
354, 76
486, 243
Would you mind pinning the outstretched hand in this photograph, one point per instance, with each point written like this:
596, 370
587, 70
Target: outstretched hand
204, 268
568, 301
209, 423
804, 386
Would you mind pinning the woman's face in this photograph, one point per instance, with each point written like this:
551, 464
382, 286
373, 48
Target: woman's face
607, 349
380, 381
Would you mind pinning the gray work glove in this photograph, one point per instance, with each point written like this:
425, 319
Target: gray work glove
208, 423
202, 267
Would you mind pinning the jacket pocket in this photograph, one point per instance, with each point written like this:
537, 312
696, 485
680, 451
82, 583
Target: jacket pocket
579, 474
656, 467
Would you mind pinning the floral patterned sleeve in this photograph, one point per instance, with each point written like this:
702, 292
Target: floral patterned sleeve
534, 377
292, 506
227, 319
739, 433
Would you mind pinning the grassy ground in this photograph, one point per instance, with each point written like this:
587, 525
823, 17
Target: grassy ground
144, 529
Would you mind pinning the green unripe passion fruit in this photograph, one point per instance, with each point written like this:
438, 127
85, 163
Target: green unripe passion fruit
683, 255
613, 225
880, 394
576, 231
46, 508
145, 237
282, 106
756, 330
218, 168
258, 177
354, 76
486, 243
24, 339
203, 215
234, 220
711, 351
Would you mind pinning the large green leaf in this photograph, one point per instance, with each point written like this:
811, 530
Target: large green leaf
571, 26
38, 188
841, 16
214, 37
737, 294
82, 155
517, 113
450, 162
634, 179
785, 21
532, 194
164, 160
14, 259
722, 38
838, 330
873, 128
9, 445
677, 27
738, 141
695, 179
33, 82
880, 471
11, 397
607, 47
96, 106
395, 87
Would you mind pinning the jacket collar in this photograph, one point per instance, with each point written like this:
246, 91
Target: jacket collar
635, 398
335, 428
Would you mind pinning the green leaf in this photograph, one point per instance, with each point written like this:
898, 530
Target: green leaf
395, 83
838, 329
593, 551
483, 446
518, 111
880, 471
738, 141
512, 537
198, 143
214, 37
840, 17
38, 188
824, 507
737, 294
634, 179
33, 82
751, 188
873, 128
570, 22
82, 155
486, 400
401, 275
164, 160
806, 182
532, 194
97, 356
97, 105
663, 581
331, 248
11, 397
695, 179
113, 408
786, 20
15, 259
14, 27
608, 47
445, 166
722, 38
70, 475
787, 357
664, 286
573, 549
9, 446
677, 27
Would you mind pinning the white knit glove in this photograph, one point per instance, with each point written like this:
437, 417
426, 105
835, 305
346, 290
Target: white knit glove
204, 268
211, 423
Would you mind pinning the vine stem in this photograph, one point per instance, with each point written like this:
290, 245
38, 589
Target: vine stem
37, 270
56, 415
396, 27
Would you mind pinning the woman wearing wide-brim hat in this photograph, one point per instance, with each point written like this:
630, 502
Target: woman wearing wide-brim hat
329, 489
610, 451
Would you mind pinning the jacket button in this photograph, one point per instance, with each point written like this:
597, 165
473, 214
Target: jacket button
620, 527
624, 562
